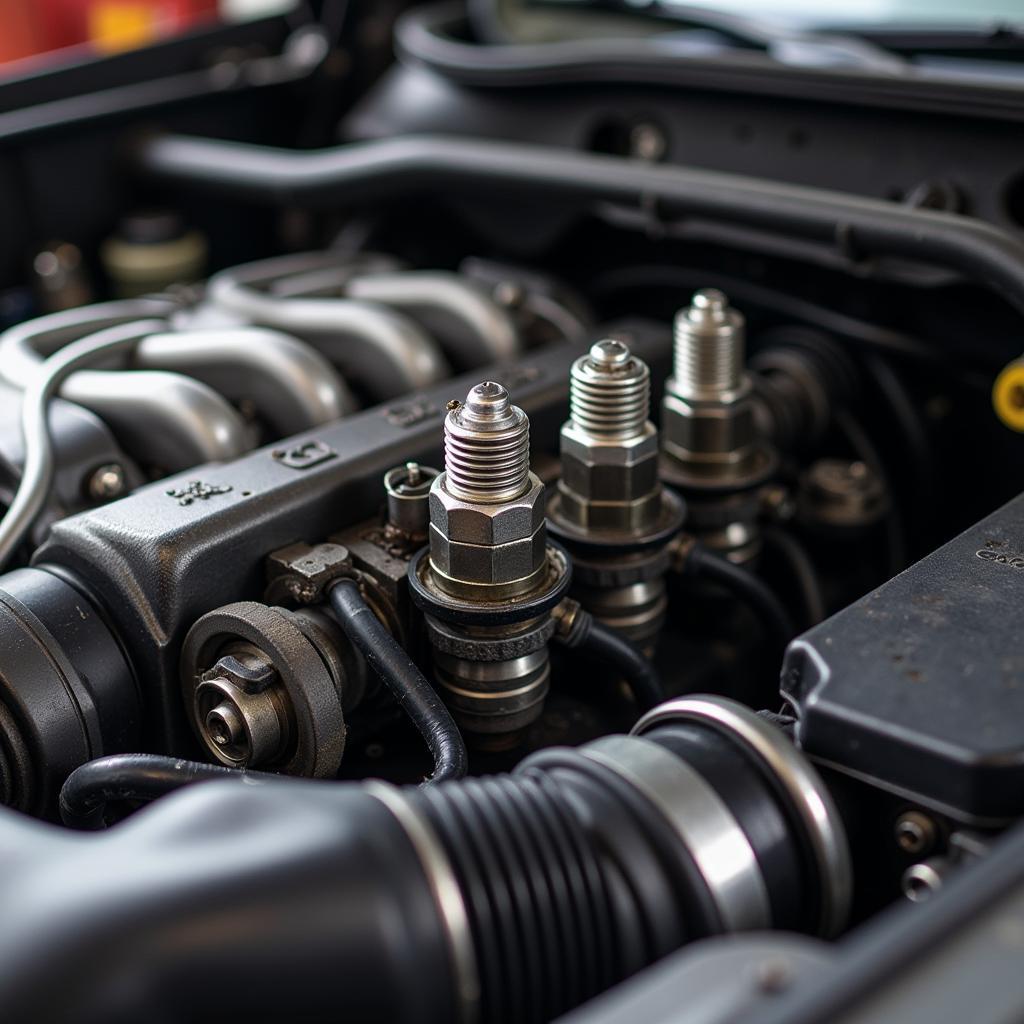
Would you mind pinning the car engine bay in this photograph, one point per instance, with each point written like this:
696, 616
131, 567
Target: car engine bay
504, 520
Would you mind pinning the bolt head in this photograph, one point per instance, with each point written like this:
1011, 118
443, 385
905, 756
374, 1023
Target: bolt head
107, 482
498, 543
472, 523
915, 833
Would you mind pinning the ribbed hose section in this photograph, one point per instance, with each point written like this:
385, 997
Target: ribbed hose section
539, 906
709, 347
610, 392
487, 447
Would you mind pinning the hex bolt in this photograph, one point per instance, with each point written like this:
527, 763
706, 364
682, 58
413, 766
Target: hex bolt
915, 833
714, 451
488, 548
610, 392
225, 725
709, 343
609, 447
610, 496
487, 447
923, 880
487, 529
107, 482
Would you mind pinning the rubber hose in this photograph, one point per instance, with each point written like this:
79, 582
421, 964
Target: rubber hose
388, 659
804, 573
602, 644
139, 777
741, 582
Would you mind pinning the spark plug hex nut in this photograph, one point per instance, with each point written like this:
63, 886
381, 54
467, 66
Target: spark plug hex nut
474, 523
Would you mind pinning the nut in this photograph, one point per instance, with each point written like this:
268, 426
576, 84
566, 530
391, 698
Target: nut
707, 429
481, 543
476, 523
594, 469
488, 563
609, 484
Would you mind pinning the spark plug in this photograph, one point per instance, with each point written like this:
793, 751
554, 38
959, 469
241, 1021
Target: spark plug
489, 578
610, 509
712, 451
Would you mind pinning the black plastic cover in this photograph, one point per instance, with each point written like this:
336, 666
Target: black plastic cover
919, 687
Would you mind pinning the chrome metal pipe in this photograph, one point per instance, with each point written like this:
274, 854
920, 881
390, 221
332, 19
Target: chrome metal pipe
292, 386
468, 324
383, 351
187, 423
166, 420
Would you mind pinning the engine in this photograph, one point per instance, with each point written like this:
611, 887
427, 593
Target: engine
471, 552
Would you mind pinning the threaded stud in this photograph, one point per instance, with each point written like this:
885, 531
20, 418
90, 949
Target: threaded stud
610, 392
709, 347
487, 447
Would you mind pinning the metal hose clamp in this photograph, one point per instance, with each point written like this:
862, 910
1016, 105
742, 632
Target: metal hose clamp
808, 795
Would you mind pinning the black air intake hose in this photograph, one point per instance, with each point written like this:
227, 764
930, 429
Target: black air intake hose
67, 692
503, 899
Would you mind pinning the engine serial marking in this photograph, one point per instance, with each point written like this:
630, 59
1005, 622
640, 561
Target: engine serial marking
196, 490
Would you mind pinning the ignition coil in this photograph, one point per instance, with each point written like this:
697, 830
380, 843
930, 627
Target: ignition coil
489, 578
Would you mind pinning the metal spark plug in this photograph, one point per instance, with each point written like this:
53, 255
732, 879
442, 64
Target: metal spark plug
712, 450
488, 580
610, 509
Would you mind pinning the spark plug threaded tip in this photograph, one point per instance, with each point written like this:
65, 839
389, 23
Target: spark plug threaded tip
709, 347
610, 392
487, 447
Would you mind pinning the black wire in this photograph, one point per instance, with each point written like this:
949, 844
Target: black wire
389, 660
137, 777
911, 431
805, 575
865, 450
602, 645
851, 328
703, 563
